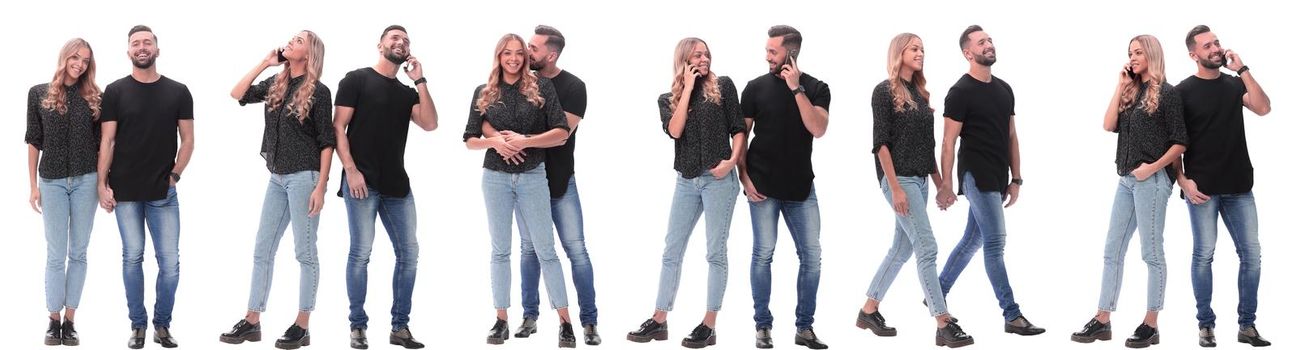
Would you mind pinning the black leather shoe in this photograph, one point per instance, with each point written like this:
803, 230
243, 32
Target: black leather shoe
701, 337
295, 337
1022, 326
1250, 335
498, 332
527, 328
70, 334
763, 339
591, 335
952, 318
1092, 331
807, 338
162, 335
137, 339
650, 330
1144, 336
405, 339
566, 336
1206, 337
952, 336
54, 334
358, 339
242, 331
874, 322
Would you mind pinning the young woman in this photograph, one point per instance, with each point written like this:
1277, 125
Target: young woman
513, 112
298, 148
903, 123
63, 146
701, 113
1147, 115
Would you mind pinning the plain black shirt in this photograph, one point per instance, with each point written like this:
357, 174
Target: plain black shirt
778, 161
379, 128
707, 129
69, 143
287, 144
560, 161
907, 133
1145, 138
514, 112
1218, 161
147, 116
985, 109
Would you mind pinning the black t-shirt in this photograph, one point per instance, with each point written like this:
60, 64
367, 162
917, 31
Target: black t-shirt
147, 116
378, 128
778, 161
560, 162
985, 109
1218, 159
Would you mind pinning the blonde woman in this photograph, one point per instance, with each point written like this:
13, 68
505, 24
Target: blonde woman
514, 116
905, 155
1147, 115
297, 145
701, 113
63, 147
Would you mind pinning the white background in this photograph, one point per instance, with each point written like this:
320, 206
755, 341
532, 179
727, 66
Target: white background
1061, 58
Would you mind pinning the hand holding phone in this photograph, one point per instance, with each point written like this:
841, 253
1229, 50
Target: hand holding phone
281, 56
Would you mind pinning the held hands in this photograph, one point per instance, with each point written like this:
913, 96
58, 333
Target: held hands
106, 199
945, 197
791, 74
506, 145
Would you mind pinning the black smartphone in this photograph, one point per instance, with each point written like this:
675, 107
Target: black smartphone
281, 56
1130, 72
791, 54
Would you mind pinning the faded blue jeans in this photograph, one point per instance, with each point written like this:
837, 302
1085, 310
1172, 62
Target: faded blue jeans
287, 201
68, 209
527, 195
704, 194
401, 223
913, 237
1139, 205
569, 222
985, 228
802, 219
1239, 214
163, 219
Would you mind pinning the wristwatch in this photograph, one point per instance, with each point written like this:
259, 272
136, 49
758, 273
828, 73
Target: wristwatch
800, 89
175, 177
420, 81
1017, 182
1243, 70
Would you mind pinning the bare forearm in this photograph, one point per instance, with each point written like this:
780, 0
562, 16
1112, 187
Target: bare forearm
1113, 112
680, 115
33, 160
427, 114
552, 138
182, 157
246, 82
888, 168
478, 143
814, 118
1170, 157
1257, 96
326, 165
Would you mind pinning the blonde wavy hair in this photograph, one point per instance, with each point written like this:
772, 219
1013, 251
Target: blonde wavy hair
1155, 72
304, 98
54, 96
710, 86
899, 94
530, 86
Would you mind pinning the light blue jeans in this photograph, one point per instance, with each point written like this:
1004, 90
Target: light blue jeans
570, 224
68, 209
527, 195
287, 201
703, 194
163, 219
985, 228
1139, 205
913, 237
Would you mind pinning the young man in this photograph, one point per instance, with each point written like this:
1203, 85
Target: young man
788, 110
138, 176
979, 109
1216, 176
373, 112
545, 48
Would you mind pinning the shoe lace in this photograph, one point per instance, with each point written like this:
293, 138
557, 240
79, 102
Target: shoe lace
701, 331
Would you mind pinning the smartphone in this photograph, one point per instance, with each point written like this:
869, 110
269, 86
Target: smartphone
792, 54
281, 56
1130, 72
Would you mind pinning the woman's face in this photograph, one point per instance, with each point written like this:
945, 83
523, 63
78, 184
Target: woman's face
297, 48
77, 64
513, 57
700, 58
912, 56
1137, 58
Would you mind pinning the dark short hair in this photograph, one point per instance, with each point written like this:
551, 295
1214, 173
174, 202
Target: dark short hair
391, 28
967, 35
791, 36
141, 28
553, 38
1192, 35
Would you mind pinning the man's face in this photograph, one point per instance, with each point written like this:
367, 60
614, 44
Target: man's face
395, 46
143, 50
1207, 51
980, 49
775, 54
539, 51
